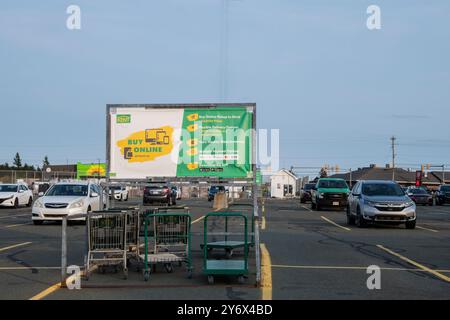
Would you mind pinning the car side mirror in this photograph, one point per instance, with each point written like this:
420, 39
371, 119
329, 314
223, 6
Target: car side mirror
41, 194
94, 194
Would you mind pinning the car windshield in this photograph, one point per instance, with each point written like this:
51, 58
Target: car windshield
308, 187
445, 188
338, 184
418, 191
380, 189
68, 190
8, 188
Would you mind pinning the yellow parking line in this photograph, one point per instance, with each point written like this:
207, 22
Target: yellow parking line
266, 273
418, 265
263, 223
335, 224
199, 219
423, 228
50, 290
46, 292
14, 246
352, 268
202, 217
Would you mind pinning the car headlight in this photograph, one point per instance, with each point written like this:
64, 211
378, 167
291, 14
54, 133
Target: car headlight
408, 204
370, 203
321, 195
77, 204
38, 204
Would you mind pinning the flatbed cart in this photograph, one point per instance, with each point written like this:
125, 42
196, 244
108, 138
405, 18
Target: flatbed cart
235, 267
230, 245
248, 207
167, 239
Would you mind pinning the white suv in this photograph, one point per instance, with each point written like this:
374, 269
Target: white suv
120, 193
67, 198
14, 195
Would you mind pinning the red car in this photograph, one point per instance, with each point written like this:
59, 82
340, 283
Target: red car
420, 196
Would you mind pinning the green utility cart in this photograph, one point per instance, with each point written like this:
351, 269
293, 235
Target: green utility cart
234, 267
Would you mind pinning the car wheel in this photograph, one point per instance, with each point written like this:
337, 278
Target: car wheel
16, 203
89, 209
302, 201
360, 222
318, 208
37, 222
30, 202
313, 205
350, 218
410, 224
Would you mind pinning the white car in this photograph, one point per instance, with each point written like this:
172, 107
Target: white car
65, 199
120, 193
14, 195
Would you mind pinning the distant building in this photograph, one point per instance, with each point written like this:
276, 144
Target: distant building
403, 176
283, 184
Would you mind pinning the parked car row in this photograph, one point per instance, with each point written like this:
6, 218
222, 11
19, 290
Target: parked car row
369, 201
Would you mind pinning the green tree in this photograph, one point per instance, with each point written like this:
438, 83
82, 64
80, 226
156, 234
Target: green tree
323, 173
17, 161
45, 162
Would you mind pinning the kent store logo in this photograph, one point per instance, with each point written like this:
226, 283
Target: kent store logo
123, 118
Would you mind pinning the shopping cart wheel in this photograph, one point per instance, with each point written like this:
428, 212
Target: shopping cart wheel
146, 275
241, 279
168, 267
228, 253
211, 279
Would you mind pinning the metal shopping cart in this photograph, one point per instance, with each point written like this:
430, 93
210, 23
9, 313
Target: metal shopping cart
107, 239
167, 239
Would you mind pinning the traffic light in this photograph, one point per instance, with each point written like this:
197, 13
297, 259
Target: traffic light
419, 178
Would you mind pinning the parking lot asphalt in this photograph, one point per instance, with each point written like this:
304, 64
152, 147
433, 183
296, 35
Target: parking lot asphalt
305, 255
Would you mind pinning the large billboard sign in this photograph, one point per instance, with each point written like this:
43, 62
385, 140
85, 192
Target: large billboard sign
146, 141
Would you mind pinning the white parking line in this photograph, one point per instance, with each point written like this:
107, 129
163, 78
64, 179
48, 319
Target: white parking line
427, 229
335, 224
28, 268
16, 225
309, 209
15, 215
14, 246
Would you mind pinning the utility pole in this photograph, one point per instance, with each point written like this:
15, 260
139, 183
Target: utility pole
224, 53
393, 138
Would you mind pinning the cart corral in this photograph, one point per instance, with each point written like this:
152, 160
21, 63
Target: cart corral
138, 241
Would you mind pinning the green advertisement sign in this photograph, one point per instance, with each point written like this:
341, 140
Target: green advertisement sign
217, 142
91, 170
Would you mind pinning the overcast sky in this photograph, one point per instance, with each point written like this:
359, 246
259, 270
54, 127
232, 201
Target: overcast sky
336, 90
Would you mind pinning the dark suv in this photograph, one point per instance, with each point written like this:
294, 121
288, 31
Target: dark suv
443, 194
159, 194
329, 192
305, 193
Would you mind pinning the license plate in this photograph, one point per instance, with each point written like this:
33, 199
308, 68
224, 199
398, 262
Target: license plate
335, 203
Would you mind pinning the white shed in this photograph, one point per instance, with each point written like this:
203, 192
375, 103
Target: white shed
283, 184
